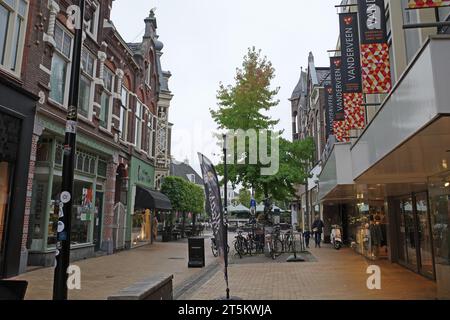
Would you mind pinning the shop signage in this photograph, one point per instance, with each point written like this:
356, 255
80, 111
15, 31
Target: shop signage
416, 4
329, 113
350, 54
375, 64
144, 176
336, 83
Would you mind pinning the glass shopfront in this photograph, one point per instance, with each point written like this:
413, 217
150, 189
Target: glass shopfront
414, 236
439, 195
5, 181
89, 179
367, 229
141, 227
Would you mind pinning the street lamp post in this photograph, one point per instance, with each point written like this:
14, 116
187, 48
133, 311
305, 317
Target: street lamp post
66, 198
225, 225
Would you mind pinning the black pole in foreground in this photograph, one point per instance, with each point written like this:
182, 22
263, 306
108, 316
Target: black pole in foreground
225, 226
66, 199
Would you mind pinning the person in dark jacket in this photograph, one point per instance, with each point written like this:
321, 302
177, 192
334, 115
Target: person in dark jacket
317, 228
307, 236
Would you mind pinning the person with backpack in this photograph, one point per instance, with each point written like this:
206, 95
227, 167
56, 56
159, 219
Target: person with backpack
317, 228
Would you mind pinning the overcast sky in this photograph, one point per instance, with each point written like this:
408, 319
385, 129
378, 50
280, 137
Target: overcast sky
205, 41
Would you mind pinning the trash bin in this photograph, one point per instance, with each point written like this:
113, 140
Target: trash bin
196, 252
13, 290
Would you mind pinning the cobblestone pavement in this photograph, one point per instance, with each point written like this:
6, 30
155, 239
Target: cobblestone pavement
337, 275
103, 276
328, 274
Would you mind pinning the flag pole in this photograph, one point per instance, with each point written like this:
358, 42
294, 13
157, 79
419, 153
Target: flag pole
225, 212
66, 199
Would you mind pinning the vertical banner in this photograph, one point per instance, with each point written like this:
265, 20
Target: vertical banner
351, 71
417, 4
329, 111
213, 201
336, 84
376, 70
350, 54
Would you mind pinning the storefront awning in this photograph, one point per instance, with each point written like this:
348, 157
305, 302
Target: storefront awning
150, 199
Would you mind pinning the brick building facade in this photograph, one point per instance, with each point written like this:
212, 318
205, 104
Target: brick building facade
120, 121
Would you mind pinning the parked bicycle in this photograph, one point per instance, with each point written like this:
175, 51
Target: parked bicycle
214, 248
274, 243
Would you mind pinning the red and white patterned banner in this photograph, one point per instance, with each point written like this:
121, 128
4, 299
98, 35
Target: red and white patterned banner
341, 132
416, 4
376, 70
354, 111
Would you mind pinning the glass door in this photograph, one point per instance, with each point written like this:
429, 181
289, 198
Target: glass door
424, 236
408, 233
98, 220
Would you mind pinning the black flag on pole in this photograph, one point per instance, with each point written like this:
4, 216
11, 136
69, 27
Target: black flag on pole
213, 201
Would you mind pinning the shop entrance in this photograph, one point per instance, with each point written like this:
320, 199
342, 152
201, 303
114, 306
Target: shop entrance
414, 234
98, 220
5, 188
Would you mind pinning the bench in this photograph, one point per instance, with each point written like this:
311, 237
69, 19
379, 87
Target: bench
157, 287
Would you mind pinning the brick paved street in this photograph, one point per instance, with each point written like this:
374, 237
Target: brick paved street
335, 275
328, 274
107, 275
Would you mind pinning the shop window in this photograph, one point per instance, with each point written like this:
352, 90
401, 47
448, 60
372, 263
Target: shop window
102, 167
4, 197
82, 213
43, 150
13, 18
59, 155
37, 215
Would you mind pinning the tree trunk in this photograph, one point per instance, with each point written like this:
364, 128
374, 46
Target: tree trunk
183, 224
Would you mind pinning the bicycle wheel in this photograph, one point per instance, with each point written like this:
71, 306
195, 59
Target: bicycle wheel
239, 247
277, 248
214, 250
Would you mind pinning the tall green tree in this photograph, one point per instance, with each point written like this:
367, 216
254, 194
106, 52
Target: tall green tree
245, 197
244, 106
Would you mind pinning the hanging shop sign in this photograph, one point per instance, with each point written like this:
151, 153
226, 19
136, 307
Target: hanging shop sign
417, 4
336, 83
341, 131
351, 71
350, 54
376, 70
329, 114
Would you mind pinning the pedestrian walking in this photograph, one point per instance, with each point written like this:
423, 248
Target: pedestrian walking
317, 228
307, 236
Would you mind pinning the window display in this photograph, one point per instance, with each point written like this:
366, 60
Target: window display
141, 227
4, 197
368, 230
82, 213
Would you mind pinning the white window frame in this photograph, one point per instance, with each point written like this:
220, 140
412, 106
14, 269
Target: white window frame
151, 133
95, 19
91, 78
108, 92
69, 66
138, 119
148, 75
123, 123
11, 29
